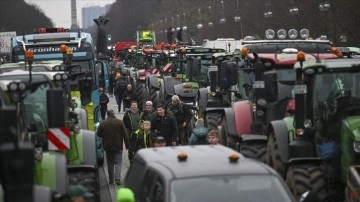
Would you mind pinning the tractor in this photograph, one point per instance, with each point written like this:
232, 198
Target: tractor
314, 149
264, 76
18, 155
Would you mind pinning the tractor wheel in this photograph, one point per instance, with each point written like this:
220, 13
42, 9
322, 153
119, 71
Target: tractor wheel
89, 178
254, 150
140, 95
308, 177
273, 157
154, 97
213, 120
225, 139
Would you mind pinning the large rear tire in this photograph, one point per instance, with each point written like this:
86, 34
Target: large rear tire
154, 96
140, 95
273, 157
213, 120
307, 177
254, 150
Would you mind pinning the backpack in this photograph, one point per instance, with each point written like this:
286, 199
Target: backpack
202, 140
121, 85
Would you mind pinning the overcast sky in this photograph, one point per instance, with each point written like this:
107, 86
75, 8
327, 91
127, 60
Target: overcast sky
59, 10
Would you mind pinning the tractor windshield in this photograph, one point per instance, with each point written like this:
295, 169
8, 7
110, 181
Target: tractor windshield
330, 86
35, 108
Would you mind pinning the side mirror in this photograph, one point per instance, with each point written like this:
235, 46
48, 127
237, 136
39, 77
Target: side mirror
85, 87
271, 86
125, 195
55, 108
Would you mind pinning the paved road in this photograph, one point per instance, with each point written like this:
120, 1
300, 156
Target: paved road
108, 191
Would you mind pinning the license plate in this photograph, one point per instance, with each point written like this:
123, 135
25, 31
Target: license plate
259, 84
300, 89
213, 68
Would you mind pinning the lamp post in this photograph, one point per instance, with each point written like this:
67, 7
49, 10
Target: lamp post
268, 13
184, 27
324, 8
237, 18
199, 26
210, 23
222, 13
178, 23
172, 24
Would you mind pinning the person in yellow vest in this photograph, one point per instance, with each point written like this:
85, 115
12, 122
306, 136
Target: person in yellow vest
143, 137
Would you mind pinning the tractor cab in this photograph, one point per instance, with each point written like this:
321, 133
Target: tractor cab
321, 136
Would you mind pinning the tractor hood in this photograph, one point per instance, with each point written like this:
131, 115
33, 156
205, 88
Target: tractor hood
187, 89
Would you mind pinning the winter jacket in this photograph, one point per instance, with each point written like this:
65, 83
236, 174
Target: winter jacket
104, 99
165, 126
141, 139
181, 112
198, 132
113, 134
131, 120
147, 116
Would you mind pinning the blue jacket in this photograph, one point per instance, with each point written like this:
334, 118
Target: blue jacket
198, 132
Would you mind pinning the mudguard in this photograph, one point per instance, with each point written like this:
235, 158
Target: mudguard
281, 134
202, 99
153, 81
230, 121
89, 149
186, 92
82, 118
169, 85
51, 171
86, 149
42, 193
243, 117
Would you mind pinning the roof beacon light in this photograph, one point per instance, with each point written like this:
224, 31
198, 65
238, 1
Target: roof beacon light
281, 33
244, 51
300, 56
63, 48
293, 33
234, 157
304, 33
269, 34
29, 55
182, 156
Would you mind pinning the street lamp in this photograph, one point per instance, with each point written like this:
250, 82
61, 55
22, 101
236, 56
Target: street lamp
199, 26
172, 24
324, 6
343, 38
210, 23
222, 19
237, 18
268, 13
184, 27
294, 10
178, 23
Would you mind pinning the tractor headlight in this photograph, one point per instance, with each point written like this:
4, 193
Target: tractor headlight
307, 123
38, 153
261, 102
357, 147
76, 128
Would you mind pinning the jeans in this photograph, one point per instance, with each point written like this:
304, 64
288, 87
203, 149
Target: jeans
103, 109
114, 161
118, 101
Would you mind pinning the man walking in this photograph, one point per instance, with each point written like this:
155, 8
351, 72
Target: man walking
114, 134
104, 100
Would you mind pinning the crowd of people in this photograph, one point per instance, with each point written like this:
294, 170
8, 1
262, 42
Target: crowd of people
165, 125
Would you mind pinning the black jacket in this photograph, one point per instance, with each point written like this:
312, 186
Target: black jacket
165, 126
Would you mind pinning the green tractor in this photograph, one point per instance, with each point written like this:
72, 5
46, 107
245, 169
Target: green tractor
314, 149
80, 160
20, 98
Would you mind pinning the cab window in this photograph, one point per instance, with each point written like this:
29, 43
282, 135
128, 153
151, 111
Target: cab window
154, 190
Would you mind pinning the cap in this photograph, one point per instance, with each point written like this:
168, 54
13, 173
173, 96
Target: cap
159, 139
79, 190
125, 195
148, 103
